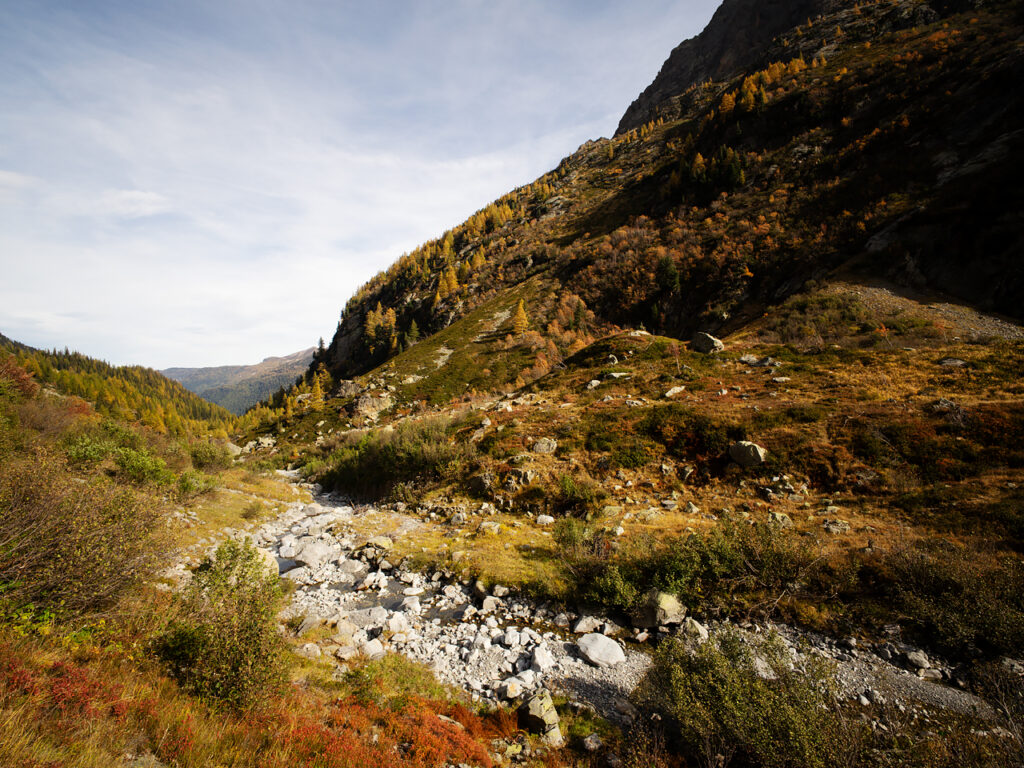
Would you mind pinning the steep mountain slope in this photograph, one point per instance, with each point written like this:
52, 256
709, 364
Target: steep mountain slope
129, 392
238, 387
734, 40
863, 138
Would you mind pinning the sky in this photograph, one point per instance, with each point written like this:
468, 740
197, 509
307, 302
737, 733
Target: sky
207, 182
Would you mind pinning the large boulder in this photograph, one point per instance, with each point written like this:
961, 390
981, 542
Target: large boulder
659, 609
747, 454
707, 344
601, 650
316, 553
538, 715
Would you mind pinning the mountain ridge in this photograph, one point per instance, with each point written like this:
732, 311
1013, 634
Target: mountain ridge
238, 387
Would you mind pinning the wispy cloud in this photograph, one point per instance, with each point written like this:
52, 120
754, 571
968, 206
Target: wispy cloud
207, 183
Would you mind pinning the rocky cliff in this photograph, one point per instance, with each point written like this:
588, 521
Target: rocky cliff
735, 39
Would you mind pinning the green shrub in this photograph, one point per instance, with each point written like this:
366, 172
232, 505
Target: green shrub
70, 545
88, 449
140, 467
209, 456
704, 569
424, 451
224, 645
191, 484
745, 699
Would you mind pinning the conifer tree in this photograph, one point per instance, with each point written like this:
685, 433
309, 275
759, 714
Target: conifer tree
521, 321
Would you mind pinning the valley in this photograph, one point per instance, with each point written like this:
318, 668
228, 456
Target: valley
704, 448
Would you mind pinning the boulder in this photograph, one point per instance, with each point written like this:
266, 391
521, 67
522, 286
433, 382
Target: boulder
483, 483
372, 649
370, 406
538, 715
780, 520
747, 454
600, 650
586, 624
270, 563
659, 609
315, 553
545, 445
543, 520
542, 659
707, 344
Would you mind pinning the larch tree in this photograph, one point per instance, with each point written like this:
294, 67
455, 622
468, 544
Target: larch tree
520, 321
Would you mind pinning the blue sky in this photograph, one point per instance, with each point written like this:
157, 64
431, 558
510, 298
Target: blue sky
206, 183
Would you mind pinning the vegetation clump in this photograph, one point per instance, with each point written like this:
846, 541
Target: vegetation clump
223, 644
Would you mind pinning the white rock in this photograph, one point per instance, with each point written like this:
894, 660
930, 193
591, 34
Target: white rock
600, 650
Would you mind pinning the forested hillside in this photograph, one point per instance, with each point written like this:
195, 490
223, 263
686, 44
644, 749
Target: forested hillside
130, 393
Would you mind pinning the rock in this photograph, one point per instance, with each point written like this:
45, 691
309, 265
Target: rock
659, 609
543, 520
747, 454
542, 660
270, 563
952, 362
918, 659
538, 715
836, 527
586, 624
499, 590
545, 445
380, 542
675, 391
780, 520
600, 650
490, 604
489, 528
592, 743
310, 651
346, 652
593, 384
691, 508
308, 625
513, 688
370, 406
372, 649
707, 344
398, 624
316, 553
695, 630
483, 483
369, 617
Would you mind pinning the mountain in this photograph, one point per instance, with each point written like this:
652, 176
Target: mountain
862, 136
238, 387
759, 352
735, 39
130, 393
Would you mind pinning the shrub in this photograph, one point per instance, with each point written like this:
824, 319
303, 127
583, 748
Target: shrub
68, 544
577, 495
373, 463
735, 697
209, 456
87, 449
224, 645
932, 582
191, 484
140, 467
